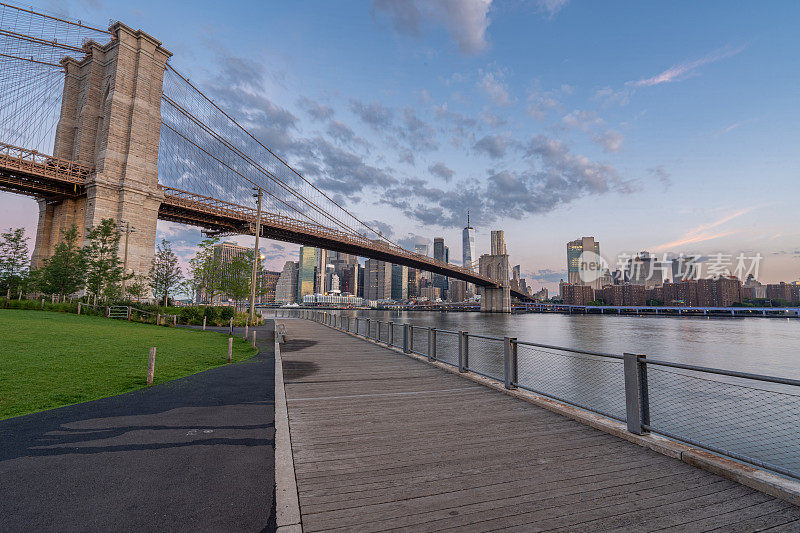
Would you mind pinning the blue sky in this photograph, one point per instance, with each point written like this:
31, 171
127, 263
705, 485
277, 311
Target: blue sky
668, 126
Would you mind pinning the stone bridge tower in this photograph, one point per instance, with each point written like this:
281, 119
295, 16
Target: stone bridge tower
495, 300
111, 120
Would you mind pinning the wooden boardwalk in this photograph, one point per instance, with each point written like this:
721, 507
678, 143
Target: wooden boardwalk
384, 442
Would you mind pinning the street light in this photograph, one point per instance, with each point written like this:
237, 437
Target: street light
128, 230
256, 254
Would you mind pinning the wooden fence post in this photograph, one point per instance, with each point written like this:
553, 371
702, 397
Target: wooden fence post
231, 327
254, 338
129, 313
158, 319
42, 303
174, 321
230, 348
79, 308
151, 365
245, 330
204, 322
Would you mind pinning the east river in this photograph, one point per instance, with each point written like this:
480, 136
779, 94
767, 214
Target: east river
768, 346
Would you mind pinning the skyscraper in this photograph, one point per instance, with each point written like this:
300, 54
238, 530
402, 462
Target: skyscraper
421, 249
440, 253
468, 246
377, 280
499, 242
574, 250
307, 272
286, 289
399, 282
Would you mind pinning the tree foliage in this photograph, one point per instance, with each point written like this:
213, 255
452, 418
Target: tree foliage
165, 273
64, 272
206, 272
103, 266
238, 276
14, 259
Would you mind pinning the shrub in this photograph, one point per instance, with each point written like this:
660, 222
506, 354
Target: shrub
226, 313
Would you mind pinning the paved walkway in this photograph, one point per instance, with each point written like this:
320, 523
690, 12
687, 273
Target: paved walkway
383, 442
194, 454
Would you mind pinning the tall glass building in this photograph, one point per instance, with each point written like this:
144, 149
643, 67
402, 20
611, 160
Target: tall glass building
307, 272
468, 245
574, 250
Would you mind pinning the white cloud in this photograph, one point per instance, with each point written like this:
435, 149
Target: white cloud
609, 140
492, 84
685, 70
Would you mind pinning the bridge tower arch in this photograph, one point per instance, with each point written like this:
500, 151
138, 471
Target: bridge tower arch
111, 120
495, 299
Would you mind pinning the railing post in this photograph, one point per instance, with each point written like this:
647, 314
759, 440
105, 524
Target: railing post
510, 360
369, 328
406, 338
463, 351
637, 403
378, 330
129, 313
390, 326
431, 344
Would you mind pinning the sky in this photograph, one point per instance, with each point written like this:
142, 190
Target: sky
662, 126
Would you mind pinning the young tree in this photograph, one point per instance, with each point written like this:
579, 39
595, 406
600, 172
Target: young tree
238, 276
139, 286
14, 259
65, 271
205, 271
104, 267
165, 272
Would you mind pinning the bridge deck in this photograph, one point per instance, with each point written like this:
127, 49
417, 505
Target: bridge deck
382, 441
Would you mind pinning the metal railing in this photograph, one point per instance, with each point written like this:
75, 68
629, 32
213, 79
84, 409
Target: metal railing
749, 417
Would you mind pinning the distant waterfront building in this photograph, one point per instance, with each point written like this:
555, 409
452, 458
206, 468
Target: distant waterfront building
723, 291
457, 291
430, 293
399, 282
413, 282
421, 249
624, 294
267, 285
286, 288
781, 291
646, 270
332, 299
468, 246
541, 295
759, 290
348, 278
498, 242
377, 280
573, 294
574, 251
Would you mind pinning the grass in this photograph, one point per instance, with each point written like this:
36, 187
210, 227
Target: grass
50, 360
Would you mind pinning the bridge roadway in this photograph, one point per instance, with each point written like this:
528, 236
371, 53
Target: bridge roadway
383, 441
42, 176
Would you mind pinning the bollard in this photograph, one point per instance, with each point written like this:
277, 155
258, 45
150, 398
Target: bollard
406, 338
510, 360
204, 323
245, 329
151, 365
42, 303
230, 348
79, 308
637, 402
463, 351
174, 321
231, 326
254, 338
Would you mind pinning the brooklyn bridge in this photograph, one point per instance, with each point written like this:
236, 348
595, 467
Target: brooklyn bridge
97, 124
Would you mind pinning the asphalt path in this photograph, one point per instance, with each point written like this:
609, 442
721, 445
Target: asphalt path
194, 454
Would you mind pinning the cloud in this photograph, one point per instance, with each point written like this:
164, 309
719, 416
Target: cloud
609, 140
492, 84
441, 170
373, 114
688, 69
540, 104
661, 175
465, 20
552, 7
560, 177
492, 120
316, 110
492, 145
411, 240
581, 120
546, 275
416, 132
706, 232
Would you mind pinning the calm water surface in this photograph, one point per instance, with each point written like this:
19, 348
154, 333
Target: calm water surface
759, 345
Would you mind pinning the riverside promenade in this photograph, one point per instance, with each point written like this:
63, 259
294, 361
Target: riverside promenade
383, 441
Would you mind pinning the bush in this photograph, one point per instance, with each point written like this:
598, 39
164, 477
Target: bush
190, 315
226, 313
211, 314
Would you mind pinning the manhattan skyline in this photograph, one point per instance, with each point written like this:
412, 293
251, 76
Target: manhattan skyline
667, 129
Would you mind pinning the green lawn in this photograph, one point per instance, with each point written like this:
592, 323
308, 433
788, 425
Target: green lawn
49, 360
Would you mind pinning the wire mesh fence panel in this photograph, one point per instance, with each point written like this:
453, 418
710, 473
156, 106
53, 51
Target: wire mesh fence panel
373, 329
397, 335
419, 340
384, 332
447, 347
486, 356
588, 381
363, 327
753, 420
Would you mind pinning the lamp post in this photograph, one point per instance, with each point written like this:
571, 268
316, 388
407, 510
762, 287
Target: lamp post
128, 230
255, 257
